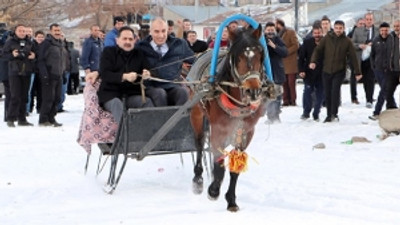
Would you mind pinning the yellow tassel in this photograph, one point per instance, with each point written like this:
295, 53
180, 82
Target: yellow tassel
237, 161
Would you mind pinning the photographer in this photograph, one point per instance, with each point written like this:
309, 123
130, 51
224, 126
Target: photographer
18, 51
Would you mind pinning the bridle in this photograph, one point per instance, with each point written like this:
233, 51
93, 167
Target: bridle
242, 107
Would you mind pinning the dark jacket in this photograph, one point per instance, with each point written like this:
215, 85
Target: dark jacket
113, 63
199, 46
381, 53
19, 65
169, 66
396, 52
91, 51
305, 53
74, 60
276, 54
334, 50
35, 49
53, 58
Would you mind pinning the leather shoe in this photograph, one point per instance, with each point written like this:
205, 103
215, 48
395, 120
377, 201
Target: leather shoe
355, 101
24, 123
10, 124
45, 124
56, 124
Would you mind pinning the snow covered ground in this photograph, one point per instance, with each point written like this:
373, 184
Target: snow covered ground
42, 178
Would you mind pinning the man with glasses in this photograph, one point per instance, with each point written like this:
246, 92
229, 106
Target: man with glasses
362, 39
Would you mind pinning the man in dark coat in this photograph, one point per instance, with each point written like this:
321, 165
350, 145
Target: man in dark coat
119, 73
165, 54
312, 78
18, 50
381, 53
334, 49
394, 79
52, 63
73, 82
4, 35
276, 50
197, 46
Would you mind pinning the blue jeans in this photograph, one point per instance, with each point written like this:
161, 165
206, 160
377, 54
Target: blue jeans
313, 95
64, 88
28, 105
274, 109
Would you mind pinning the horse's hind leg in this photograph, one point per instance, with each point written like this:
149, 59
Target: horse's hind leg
230, 195
197, 121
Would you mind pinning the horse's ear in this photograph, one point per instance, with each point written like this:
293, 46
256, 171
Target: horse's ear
257, 32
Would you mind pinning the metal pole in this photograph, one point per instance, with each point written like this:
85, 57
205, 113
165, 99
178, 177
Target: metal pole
296, 15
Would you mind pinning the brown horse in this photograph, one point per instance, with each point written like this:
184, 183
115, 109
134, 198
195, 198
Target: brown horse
236, 102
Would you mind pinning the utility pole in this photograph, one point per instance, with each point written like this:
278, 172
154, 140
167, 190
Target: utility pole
296, 15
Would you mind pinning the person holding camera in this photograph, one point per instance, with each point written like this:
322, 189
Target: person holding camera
18, 51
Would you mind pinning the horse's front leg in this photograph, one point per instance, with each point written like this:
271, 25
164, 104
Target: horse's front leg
230, 195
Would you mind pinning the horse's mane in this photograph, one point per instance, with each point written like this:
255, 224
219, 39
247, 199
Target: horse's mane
243, 38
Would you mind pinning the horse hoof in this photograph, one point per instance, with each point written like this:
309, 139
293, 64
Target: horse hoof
233, 208
213, 193
197, 185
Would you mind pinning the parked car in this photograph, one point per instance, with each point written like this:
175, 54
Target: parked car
82, 81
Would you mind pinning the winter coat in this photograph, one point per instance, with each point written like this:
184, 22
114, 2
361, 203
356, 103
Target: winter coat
109, 40
275, 55
334, 51
292, 44
113, 63
19, 65
198, 46
381, 53
396, 52
74, 60
53, 58
91, 51
305, 53
360, 36
169, 66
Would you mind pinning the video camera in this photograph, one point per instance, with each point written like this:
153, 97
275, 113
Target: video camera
21, 53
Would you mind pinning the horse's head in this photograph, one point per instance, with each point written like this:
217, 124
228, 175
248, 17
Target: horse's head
246, 56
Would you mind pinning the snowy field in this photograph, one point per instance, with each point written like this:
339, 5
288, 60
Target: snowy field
42, 178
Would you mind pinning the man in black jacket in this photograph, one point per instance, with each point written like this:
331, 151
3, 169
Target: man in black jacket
18, 50
119, 73
312, 78
381, 52
197, 46
276, 50
394, 79
52, 65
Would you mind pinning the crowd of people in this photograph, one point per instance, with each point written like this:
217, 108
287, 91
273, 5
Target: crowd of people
117, 64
